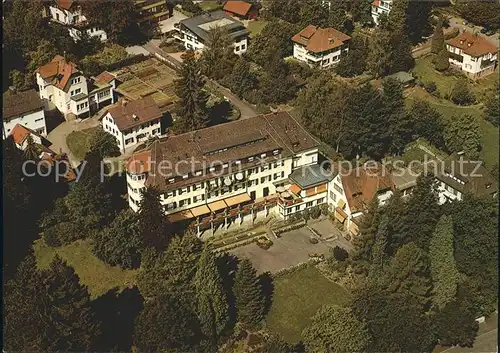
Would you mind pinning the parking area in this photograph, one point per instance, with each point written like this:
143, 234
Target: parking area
289, 250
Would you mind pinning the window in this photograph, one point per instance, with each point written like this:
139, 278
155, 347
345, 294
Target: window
262, 180
250, 159
282, 174
171, 206
243, 46
320, 201
333, 196
337, 188
309, 204
237, 48
297, 208
263, 155
288, 210
40, 119
171, 180
129, 141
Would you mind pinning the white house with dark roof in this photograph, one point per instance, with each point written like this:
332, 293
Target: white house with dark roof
380, 7
194, 34
69, 14
24, 108
132, 122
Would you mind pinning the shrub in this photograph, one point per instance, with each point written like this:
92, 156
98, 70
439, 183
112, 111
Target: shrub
313, 241
62, 234
306, 215
324, 209
315, 212
430, 86
442, 62
340, 254
190, 6
461, 94
264, 243
452, 34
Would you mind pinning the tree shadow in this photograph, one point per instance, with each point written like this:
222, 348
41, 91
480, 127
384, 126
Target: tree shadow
228, 265
116, 185
267, 284
220, 112
117, 312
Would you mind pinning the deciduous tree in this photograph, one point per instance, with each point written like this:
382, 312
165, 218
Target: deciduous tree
462, 133
461, 93
428, 122
166, 324
120, 243
218, 59
104, 143
336, 329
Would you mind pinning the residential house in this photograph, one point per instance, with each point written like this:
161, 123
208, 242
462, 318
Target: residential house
24, 108
457, 176
241, 9
380, 7
227, 173
61, 83
473, 53
20, 136
359, 188
320, 46
194, 32
404, 180
69, 14
132, 122
152, 11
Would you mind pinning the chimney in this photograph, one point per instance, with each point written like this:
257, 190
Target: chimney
124, 102
135, 117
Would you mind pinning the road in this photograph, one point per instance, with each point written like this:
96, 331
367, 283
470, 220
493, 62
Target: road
246, 109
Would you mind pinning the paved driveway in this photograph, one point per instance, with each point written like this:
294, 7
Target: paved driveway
168, 24
290, 249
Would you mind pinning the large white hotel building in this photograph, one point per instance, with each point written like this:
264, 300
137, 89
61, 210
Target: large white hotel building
241, 170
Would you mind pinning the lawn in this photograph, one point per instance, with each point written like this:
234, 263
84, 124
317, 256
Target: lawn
256, 26
95, 274
297, 297
424, 69
78, 142
210, 5
490, 134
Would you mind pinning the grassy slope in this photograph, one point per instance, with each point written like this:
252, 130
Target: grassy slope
256, 26
95, 274
78, 142
490, 134
297, 297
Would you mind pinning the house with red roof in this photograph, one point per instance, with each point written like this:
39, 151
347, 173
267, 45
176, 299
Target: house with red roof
241, 9
20, 134
321, 47
64, 85
69, 14
473, 53
380, 7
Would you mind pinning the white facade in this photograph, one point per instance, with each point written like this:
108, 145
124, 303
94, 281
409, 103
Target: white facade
192, 42
72, 100
324, 59
470, 64
132, 136
380, 7
32, 120
447, 193
76, 23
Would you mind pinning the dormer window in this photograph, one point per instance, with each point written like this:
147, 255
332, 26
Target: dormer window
462, 41
488, 186
469, 44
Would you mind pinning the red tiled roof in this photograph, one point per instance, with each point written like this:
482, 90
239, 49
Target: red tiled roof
20, 133
318, 39
105, 77
376, 3
139, 163
238, 7
362, 184
59, 70
130, 114
65, 4
473, 44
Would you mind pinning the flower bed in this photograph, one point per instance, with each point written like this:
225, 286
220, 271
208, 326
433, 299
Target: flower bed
264, 243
